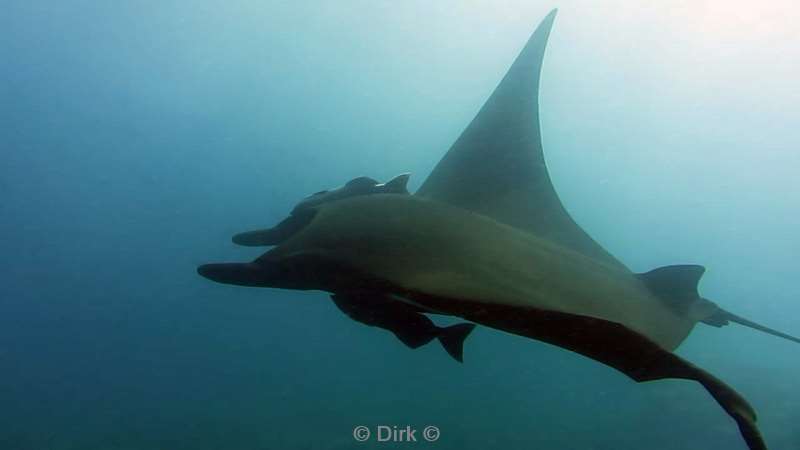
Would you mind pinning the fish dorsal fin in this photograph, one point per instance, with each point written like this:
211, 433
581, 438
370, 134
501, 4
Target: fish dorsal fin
397, 185
676, 286
497, 168
674, 282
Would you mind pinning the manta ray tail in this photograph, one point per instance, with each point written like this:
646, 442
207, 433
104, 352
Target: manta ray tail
723, 317
676, 286
452, 339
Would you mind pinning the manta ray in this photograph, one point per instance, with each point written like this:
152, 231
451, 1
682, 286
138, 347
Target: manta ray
487, 239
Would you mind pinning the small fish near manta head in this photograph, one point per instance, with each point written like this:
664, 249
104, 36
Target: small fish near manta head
501, 251
303, 212
354, 187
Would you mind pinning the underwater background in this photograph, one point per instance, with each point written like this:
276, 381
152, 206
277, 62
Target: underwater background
137, 137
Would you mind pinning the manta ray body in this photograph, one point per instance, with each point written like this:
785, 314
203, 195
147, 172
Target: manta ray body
487, 239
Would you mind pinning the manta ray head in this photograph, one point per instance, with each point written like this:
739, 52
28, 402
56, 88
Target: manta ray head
359, 243
312, 258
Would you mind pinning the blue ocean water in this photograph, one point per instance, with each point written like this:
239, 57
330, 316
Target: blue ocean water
137, 137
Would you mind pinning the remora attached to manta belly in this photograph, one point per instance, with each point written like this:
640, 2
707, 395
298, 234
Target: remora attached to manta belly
487, 239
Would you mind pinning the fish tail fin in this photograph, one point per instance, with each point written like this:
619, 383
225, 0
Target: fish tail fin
414, 338
452, 339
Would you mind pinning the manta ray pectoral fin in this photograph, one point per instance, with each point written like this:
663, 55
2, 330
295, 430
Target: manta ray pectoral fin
398, 184
643, 360
672, 366
277, 234
676, 286
610, 343
497, 168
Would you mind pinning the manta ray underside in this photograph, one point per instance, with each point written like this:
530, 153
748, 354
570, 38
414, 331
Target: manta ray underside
487, 239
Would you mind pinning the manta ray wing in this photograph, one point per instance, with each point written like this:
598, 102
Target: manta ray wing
497, 168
